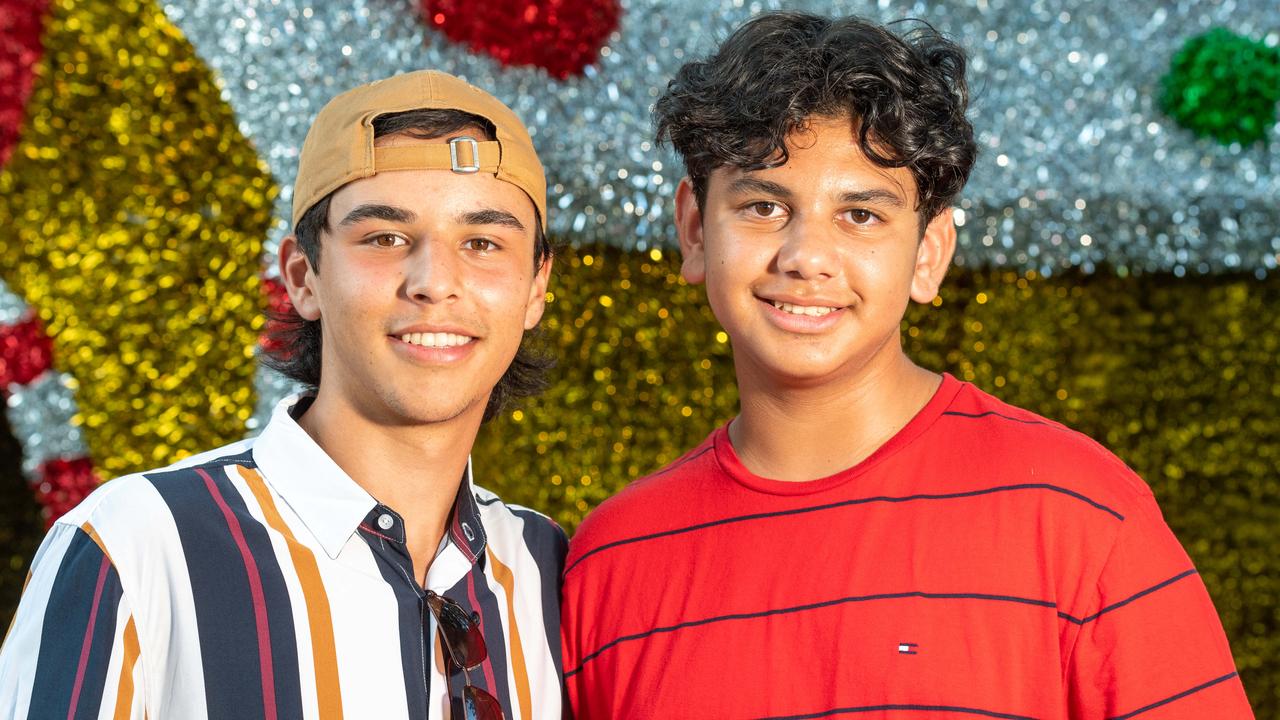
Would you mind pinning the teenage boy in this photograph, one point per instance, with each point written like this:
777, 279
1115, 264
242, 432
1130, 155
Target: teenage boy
343, 564
867, 537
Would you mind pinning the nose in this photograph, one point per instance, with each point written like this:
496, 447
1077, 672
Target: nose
808, 251
432, 274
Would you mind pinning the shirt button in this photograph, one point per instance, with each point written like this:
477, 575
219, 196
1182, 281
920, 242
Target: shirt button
466, 530
385, 521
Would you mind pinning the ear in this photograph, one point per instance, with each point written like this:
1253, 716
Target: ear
933, 257
538, 295
299, 279
693, 266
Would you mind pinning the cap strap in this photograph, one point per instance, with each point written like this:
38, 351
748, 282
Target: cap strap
464, 156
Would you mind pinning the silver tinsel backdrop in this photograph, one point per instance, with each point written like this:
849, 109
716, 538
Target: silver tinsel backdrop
1078, 167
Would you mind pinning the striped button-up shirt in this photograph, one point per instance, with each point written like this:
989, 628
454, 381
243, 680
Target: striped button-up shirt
260, 581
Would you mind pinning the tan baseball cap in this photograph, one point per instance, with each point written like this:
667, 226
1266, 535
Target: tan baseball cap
339, 146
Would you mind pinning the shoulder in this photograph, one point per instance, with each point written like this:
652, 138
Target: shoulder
115, 511
1004, 440
508, 524
658, 497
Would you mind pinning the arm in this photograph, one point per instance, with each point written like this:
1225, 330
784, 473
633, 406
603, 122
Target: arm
1151, 641
72, 650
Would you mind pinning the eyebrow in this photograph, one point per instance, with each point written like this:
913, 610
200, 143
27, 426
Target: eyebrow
490, 216
392, 213
876, 197
378, 212
747, 185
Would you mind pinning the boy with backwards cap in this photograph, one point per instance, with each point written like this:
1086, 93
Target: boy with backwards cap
867, 538
342, 564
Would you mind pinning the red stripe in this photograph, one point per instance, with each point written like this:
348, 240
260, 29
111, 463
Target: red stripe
488, 665
88, 639
259, 598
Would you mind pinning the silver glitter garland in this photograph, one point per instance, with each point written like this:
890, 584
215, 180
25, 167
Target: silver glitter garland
270, 387
1078, 166
12, 308
41, 416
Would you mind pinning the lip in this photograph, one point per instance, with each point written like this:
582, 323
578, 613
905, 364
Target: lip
431, 328
433, 356
803, 324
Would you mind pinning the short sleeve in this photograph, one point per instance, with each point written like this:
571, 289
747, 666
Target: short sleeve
72, 650
1150, 641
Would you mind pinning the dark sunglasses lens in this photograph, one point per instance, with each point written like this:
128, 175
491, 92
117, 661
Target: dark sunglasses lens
480, 705
462, 636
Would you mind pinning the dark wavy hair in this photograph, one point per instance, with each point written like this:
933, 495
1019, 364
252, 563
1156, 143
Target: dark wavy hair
905, 94
294, 344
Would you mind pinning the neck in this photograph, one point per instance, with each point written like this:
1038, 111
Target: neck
799, 431
415, 469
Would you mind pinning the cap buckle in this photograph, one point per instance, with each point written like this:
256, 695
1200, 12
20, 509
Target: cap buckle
475, 155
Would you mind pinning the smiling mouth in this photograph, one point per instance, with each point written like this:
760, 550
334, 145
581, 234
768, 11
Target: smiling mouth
809, 310
436, 340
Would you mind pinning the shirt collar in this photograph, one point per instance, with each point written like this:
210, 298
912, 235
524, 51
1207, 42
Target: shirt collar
327, 500
465, 529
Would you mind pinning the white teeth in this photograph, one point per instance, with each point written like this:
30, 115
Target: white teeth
810, 310
435, 340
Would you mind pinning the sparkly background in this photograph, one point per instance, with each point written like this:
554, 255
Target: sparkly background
1117, 272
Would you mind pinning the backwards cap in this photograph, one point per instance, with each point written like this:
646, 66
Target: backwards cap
339, 146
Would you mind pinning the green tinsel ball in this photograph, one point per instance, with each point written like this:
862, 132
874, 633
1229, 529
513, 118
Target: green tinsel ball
1225, 86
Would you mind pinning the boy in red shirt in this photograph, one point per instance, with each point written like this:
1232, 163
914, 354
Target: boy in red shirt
867, 537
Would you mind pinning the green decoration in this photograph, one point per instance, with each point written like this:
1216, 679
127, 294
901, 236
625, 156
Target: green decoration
1224, 86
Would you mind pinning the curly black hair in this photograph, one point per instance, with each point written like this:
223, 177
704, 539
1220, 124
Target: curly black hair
904, 94
294, 343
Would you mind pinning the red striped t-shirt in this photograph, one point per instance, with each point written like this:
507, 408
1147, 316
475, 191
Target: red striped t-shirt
984, 562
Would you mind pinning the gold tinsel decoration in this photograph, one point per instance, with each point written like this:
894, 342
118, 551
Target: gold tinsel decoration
131, 218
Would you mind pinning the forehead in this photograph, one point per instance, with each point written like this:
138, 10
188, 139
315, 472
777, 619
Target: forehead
825, 156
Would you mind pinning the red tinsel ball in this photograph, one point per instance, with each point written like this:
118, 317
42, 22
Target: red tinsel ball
21, 22
278, 307
560, 36
62, 484
25, 352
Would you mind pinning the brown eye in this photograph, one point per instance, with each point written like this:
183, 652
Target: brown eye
764, 209
387, 241
861, 217
482, 245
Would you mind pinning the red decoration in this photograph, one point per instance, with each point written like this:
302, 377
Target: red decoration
560, 36
278, 305
62, 484
21, 23
25, 352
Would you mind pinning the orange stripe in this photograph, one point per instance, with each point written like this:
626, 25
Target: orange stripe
323, 648
124, 695
502, 574
88, 529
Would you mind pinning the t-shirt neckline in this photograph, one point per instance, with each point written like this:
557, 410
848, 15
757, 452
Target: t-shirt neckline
932, 410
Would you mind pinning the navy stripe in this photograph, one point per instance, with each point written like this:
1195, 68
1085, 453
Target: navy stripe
693, 455
547, 544
283, 634
1131, 598
804, 608
495, 637
974, 416
220, 584
63, 636
1179, 696
910, 708
397, 570
846, 503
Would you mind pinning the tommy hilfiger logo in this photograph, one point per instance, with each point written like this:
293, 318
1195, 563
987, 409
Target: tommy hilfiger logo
907, 649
